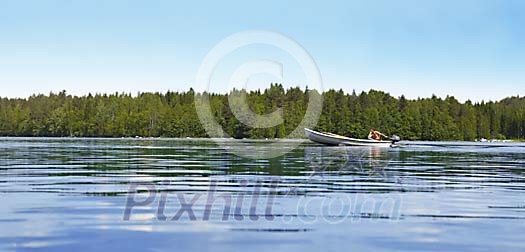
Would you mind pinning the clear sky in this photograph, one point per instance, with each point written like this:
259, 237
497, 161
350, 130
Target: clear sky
469, 49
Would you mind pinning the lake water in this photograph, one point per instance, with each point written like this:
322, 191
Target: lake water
193, 195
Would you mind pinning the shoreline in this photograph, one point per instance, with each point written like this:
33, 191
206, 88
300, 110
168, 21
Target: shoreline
245, 139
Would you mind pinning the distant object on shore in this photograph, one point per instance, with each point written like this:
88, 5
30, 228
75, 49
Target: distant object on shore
493, 140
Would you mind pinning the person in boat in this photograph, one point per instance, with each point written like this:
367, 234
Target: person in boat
375, 135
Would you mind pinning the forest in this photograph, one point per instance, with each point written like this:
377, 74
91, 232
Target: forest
173, 114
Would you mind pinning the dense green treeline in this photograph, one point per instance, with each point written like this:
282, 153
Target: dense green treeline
173, 115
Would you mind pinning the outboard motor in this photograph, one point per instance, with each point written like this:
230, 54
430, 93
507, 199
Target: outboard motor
395, 138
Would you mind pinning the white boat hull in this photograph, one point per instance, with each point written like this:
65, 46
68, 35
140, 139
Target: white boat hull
333, 139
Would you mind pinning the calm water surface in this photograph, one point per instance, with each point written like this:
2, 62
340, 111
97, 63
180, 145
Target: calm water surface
192, 195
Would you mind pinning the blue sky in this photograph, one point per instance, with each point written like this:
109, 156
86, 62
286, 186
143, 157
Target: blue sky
470, 49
